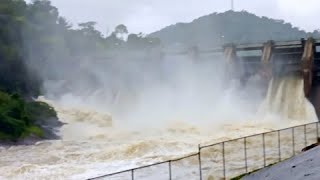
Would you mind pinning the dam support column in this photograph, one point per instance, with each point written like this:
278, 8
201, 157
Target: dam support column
307, 65
266, 69
194, 52
266, 60
231, 64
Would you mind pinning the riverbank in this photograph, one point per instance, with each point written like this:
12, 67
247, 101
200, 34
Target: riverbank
25, 122
49, 131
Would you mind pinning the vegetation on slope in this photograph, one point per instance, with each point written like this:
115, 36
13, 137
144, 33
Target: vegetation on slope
19, 115
229, 27
18, 118
34, 37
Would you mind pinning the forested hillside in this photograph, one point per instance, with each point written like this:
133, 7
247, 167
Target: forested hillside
20, 117
229, 27
33, 37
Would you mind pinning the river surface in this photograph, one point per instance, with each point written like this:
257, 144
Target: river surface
95, 143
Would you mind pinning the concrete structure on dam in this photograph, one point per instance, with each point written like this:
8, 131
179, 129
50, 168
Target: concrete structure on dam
269, 59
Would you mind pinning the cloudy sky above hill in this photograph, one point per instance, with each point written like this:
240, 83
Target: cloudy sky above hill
151, 15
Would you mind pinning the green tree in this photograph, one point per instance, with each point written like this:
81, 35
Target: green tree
120, 31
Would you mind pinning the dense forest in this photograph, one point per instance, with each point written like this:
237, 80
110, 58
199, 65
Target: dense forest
229, 27
18, 113
33, 37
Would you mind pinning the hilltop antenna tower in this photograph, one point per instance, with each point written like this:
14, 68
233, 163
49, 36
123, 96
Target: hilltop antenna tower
232, 5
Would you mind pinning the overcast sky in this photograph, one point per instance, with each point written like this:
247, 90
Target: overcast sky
150, 15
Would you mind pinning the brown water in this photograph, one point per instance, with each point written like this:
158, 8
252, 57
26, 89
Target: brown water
94, 144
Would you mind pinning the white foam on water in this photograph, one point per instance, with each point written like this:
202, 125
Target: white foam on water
162, 122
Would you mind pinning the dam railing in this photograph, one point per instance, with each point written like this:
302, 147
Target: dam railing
228, 159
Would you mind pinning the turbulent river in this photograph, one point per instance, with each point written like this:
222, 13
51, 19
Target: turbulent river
95, 142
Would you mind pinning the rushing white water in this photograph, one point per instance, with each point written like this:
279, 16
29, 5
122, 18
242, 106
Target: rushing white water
285, 97
160, 123
285, 102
